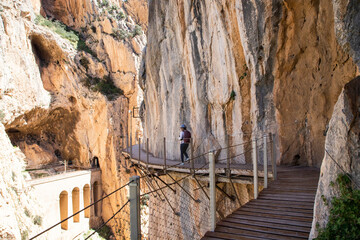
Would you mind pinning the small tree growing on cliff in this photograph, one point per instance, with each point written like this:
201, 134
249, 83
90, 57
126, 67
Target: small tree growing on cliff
344, 220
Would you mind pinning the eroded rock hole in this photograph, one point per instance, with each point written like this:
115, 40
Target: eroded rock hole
72, 100
296, 159
42, 54
57, 153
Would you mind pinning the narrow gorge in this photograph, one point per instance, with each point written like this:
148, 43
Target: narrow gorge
83, 80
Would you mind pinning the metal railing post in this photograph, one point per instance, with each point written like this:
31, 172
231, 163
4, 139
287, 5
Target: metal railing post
130, 141
255, 168
165, 167
127, 143
228, 171
273, 155
192, 164
134, 198
139, 151
265, 162
131, 155
147, 154
212, 191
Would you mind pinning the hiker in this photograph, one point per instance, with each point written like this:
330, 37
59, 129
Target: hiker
185, 138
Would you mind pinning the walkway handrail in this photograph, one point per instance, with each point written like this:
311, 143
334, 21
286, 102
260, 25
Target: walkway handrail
342, 169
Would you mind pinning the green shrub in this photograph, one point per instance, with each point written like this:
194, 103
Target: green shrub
105, 232
137, 31
121, 34
105, 86
113, 9
27, 212
108, 89
37, 220
24, 235
344, 219
82, 46
103, 3
65, 32
58, 27
121, 15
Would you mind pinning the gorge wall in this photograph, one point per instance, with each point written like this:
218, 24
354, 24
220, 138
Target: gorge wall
231, 70
68, 77
342, 148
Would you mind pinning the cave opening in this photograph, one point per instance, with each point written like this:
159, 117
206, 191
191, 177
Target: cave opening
296, 160
41, 53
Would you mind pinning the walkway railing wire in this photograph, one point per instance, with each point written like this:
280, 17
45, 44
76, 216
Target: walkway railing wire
106, 196
98, 229
342, 169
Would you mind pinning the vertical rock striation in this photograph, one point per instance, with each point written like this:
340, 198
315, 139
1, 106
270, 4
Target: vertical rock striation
342, 148
236, 69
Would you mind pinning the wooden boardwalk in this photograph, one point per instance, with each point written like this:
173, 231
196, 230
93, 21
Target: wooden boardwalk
240, 173
282, 211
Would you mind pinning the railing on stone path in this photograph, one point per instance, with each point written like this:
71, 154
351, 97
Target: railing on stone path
265, 152
268, 150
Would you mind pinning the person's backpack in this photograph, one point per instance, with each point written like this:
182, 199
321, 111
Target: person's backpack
187, 136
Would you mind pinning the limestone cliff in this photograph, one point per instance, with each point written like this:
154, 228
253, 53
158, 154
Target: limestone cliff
233, 69
68, 77
342, 148
70, 70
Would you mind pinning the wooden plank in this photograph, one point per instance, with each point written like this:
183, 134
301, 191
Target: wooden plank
285, 199
260, 232
279, 208
250, 233
274, 216
272, 220
276, 211
304, 205
288, 191
267, 229
290, 194
210, 238
228, 236
267, 224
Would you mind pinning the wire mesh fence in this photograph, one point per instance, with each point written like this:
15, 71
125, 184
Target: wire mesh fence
182, 214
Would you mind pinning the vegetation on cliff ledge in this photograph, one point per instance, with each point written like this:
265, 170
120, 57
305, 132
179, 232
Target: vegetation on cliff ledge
105, 86
344, 220
65, 32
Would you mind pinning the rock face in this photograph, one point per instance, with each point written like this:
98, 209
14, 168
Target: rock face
231, 70
342, 151
66, 91
19, 211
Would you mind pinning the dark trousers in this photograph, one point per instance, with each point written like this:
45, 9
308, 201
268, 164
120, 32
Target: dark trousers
183, 148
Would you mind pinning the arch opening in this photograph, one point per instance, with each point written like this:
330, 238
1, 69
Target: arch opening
86, 196
64, 209
95, 162
96, 196
76, 203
